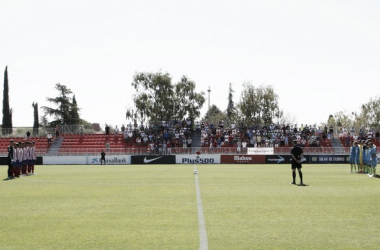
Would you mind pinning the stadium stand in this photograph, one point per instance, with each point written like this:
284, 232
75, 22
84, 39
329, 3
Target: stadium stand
42, 147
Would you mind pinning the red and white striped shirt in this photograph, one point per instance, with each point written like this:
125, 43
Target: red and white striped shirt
32, 153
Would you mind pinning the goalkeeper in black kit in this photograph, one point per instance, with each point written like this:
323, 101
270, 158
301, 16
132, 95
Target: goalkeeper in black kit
297, 155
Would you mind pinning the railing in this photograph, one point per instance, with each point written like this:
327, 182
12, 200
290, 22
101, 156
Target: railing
42, 131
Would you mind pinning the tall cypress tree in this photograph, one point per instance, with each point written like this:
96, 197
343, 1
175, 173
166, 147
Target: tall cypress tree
36, 124
74, 113
231, 106
7, 112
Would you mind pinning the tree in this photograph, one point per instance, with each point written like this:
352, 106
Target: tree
187, 102
259, 105
7, 111
214, 114
344, 119
231, 111
74, 113
157, 99
287, 119
153, 97
36, 124
44, 121
331, 121
64, 111
370, 114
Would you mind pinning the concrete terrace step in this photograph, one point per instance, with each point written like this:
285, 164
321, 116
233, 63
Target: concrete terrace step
55, 146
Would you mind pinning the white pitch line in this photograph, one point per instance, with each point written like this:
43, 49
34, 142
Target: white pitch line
203, 242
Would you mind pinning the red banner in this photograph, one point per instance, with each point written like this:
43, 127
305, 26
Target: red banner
243, 159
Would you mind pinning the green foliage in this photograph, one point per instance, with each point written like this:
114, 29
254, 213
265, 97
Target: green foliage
187, 102
7, 111
259, 105
331, 121
214, 115
231, 111
36, 124
152, 98
44, 121
66, 111
344, 119
74, 112
157, 99
370, 113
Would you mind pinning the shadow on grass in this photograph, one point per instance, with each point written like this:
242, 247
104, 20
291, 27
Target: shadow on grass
303, 185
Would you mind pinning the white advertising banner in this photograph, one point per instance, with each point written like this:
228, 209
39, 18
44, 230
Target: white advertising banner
65, 160
86, 160
260, 151
197, 159
110, 160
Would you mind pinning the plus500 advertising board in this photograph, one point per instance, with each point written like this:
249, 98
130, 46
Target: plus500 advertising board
197, 159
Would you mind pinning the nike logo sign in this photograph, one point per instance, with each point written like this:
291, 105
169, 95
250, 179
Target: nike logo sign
147, 161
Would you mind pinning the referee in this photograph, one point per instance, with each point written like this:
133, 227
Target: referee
297, 155
102, 158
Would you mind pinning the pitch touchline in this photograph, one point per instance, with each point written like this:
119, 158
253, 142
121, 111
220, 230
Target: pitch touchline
203, 242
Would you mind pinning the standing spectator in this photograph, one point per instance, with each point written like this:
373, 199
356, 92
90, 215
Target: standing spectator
244, 146
107, 146
107, 129
102, 157
238, 146
151, 147
130, 136
116, 130
189, 141
27, 136
122, 129
252, 141
164, 148
56, 131
331, 131
125, 133
219, 142
169, 147
49, 136
145, 140
160, 147
138, 141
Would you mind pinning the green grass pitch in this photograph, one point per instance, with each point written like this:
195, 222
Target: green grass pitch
155, 207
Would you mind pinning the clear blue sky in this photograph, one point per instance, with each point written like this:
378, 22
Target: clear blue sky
320, 56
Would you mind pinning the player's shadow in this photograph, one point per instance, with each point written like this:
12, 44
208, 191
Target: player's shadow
303, 185
377, 176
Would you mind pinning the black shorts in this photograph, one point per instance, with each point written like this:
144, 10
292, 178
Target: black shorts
296, 165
